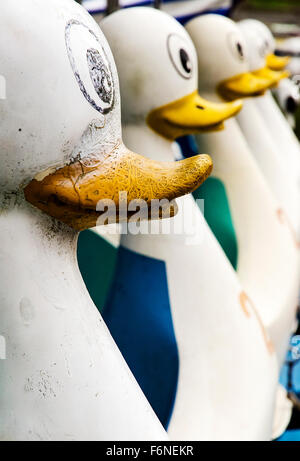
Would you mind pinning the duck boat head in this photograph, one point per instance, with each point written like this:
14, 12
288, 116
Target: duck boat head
273, 62
158, 69
61, 128
260, 48
223, 59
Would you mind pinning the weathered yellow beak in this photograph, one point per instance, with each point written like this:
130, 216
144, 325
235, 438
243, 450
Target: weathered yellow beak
243, 85
72, 193
277, 62
191, 114
273, 76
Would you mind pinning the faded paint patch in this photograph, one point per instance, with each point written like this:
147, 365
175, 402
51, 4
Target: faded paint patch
43, 384
43, 174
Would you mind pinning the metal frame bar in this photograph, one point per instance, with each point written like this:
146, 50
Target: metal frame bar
112, 5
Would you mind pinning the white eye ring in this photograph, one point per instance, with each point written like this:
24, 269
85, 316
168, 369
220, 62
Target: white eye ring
237, 46
90, 66
180, 55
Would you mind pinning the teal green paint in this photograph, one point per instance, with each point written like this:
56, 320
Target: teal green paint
96, 260
218, 216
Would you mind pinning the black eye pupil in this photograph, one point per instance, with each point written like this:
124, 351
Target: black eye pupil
185, 61
100, 75
240, 49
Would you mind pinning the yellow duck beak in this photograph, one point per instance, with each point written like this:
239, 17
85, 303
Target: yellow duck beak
189, 115
244, 85
277, 62
273, 76
72, 193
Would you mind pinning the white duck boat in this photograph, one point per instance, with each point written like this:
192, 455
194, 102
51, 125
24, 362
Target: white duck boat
275, 167
189, 331
288, 98
63, 377
291, 48
267, 264
287, 91
282, 134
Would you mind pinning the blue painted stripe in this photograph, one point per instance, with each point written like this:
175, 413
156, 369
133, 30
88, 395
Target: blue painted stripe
103, 10
290, 379
138, 315
290, 436
188, 146
184, 19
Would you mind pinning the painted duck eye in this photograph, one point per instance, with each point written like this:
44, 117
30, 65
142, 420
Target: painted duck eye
100, 75
185, 61
90, 66
236, 46
180, 56
240, 49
